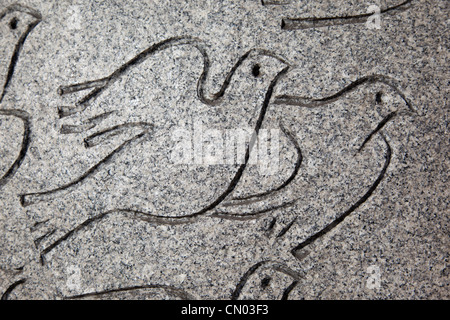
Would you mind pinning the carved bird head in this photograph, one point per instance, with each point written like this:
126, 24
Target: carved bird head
267, 280
16, 22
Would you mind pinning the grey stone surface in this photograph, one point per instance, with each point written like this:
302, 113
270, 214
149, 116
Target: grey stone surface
94, 204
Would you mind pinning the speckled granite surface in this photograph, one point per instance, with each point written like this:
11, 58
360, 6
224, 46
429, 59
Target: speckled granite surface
130, 166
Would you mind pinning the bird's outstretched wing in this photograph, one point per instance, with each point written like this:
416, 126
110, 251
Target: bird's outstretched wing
130, 132
142, 130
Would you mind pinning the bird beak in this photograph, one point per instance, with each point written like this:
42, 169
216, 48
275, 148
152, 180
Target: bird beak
406, 109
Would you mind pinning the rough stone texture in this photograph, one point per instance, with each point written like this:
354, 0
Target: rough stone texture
109, 232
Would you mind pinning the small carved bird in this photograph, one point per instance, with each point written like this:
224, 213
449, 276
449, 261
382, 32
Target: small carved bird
344, 138
16, 23
328, 134
169, 190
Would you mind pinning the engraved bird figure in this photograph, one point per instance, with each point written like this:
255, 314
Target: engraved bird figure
326, 135
167, 194
16, 23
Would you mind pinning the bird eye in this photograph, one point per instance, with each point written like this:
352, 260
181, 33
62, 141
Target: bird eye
265, 282
256, 70
378, 97
13, 23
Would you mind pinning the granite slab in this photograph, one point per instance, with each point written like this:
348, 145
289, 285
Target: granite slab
224, 149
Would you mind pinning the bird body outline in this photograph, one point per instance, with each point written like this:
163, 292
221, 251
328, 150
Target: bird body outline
257, 212
209, 101
97, 87
14, 14
97, 91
